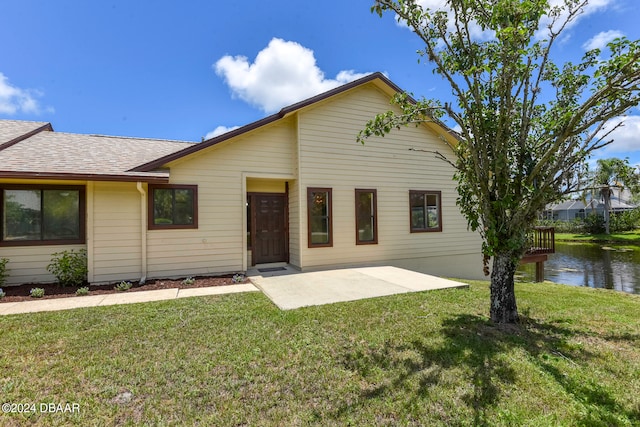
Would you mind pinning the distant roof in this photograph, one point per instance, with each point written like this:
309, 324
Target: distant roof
48, 154
591, 204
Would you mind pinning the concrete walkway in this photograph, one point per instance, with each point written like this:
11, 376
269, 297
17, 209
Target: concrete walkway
289, 289
285, 286
119, 298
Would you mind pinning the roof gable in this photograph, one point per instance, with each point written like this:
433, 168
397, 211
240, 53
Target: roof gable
377, 78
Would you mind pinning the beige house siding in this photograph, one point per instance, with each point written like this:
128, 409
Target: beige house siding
28, 264
331, 157
264, 159
116, 248
314, 147
295, 224
258, 185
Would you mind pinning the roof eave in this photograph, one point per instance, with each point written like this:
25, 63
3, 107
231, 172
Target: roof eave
148, 178
286, 111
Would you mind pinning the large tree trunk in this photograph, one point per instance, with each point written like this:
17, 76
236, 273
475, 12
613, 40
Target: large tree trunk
503, 295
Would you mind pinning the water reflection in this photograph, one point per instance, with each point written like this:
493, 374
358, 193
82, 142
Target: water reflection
592, 265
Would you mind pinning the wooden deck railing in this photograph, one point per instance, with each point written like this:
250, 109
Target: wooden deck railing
541, 241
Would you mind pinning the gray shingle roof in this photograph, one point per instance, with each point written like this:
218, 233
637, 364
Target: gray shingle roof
591, 204
50, 153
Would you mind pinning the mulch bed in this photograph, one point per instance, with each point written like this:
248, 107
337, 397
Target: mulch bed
52, 290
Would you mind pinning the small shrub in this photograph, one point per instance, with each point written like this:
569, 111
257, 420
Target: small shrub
625, 221
69, 267
36, 292
238, 278
594, 224
3, 270
573, 226
82, 291
123, 286
2, 293
189, 281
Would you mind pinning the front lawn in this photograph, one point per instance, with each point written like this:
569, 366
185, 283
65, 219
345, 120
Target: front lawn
428, 358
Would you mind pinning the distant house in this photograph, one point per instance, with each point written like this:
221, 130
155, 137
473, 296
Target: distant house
577, 209
294, 187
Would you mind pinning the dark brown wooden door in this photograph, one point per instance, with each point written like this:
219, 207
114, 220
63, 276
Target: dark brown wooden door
269, 213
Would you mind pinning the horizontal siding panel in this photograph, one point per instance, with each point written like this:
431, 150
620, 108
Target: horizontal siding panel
128, 270
185, 270
331, 157
117, 247
28, 264
107, 244
109, 235
221, 249
113, 256
110, 222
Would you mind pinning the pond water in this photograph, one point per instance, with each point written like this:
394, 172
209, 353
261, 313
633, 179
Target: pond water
592, 265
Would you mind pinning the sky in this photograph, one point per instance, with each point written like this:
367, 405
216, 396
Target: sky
191, 69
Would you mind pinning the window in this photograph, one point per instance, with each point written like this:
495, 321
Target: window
426, 213
320, 227
366, 217
173, 206
51, 215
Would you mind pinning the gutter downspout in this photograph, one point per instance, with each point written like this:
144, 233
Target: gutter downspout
143, 231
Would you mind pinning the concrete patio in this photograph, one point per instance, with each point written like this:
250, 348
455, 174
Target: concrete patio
290, 289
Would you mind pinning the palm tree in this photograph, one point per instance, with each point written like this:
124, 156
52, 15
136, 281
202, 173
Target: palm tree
609, 174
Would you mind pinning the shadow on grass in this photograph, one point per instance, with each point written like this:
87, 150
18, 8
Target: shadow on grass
482, 353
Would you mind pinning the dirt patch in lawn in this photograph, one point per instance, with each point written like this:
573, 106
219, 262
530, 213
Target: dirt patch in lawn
52, 290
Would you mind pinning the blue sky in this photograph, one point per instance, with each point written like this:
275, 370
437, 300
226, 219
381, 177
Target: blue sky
182, 70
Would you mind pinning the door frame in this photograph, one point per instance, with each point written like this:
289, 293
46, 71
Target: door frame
242, 205
252, 213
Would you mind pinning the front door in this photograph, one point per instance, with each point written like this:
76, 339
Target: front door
269, 228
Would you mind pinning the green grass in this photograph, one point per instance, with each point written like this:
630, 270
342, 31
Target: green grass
628, 238
429, 358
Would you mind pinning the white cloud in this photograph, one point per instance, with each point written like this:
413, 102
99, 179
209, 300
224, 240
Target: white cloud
14, 99
600, 40
283, 73
626, 138
477, 33
441, 5
592, 7
219, 131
